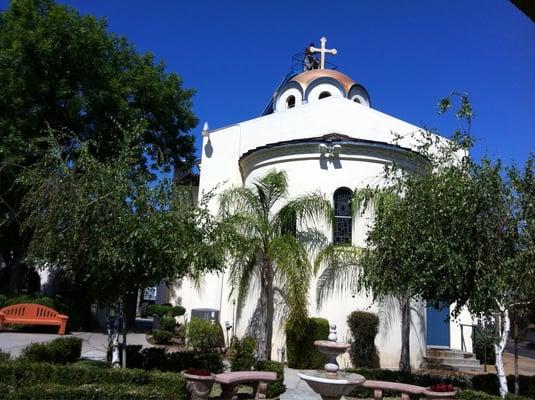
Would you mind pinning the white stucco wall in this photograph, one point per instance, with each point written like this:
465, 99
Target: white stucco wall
308, 171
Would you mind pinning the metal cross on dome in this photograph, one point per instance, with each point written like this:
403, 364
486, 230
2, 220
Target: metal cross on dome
323, 51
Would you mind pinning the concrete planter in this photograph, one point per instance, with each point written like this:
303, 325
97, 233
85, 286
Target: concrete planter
199, 386
430, 395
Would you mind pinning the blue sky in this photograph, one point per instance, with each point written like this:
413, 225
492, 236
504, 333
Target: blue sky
407, 54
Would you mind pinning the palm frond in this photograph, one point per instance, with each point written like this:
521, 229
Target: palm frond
241, 276
293, 275
238, 200
305, 209
341, 270
270, 188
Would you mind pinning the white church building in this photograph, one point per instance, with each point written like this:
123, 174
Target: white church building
322, 130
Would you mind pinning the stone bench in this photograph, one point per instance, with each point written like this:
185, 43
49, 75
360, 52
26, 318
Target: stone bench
403, 388
230, 382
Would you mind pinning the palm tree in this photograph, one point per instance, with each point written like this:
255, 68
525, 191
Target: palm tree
260, 229
349, 268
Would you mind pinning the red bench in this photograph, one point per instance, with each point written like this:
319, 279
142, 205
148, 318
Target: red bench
230, 382
32, 314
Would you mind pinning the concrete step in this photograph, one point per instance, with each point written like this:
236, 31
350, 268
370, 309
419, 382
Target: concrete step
452, 367
442, 353
451, 360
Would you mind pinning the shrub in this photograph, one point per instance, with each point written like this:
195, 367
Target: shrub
158, 309
168, 324
419, 379
301, 351
180, 360
162, 337
3, 300
158, 358
364, 327
177, 311
243, 353
204, 335
26, 298
473, 395
4, 356
485, 335
489, 383
58, 351
24, 380
274, 389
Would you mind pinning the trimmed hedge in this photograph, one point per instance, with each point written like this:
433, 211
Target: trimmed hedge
157, 358
204, 336
243, 353
278, 387
25, 380
168, 324
58, 351
301, 352
162, 310
161, 336
474, 395
418, 379
364, 327
489, 383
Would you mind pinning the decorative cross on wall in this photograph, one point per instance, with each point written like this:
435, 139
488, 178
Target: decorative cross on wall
322, 50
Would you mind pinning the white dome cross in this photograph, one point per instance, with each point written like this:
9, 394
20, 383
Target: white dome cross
322, 50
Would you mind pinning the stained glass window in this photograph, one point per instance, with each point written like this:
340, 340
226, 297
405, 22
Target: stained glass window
342, 213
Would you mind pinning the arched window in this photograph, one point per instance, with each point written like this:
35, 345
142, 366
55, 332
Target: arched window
342, 213
290, 102
324, 95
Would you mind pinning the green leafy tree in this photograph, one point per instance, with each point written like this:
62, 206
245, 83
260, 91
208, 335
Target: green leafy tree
65, 71
262, 230
392, 262
112, 229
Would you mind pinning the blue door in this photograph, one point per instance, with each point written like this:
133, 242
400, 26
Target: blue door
438, 325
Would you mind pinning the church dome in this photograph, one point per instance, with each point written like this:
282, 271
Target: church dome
317, 84
305, 78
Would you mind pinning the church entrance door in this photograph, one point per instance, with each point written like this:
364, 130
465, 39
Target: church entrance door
438, 325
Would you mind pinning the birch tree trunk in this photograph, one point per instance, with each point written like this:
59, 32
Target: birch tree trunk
505, 326
113, 337
405, 357
125, 331
517, 374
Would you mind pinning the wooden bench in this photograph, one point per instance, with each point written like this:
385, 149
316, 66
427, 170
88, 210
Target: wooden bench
32, 314
230, 382
405, 389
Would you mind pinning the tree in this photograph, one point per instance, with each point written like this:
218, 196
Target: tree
65, 71
262, 231
111, 228
395, 257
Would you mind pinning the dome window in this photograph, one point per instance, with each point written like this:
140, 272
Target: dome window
324, 95
290, 102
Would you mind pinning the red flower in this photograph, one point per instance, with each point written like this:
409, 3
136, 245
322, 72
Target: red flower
442, 387
197, 371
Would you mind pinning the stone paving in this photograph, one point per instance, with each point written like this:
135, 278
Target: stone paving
94, 344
